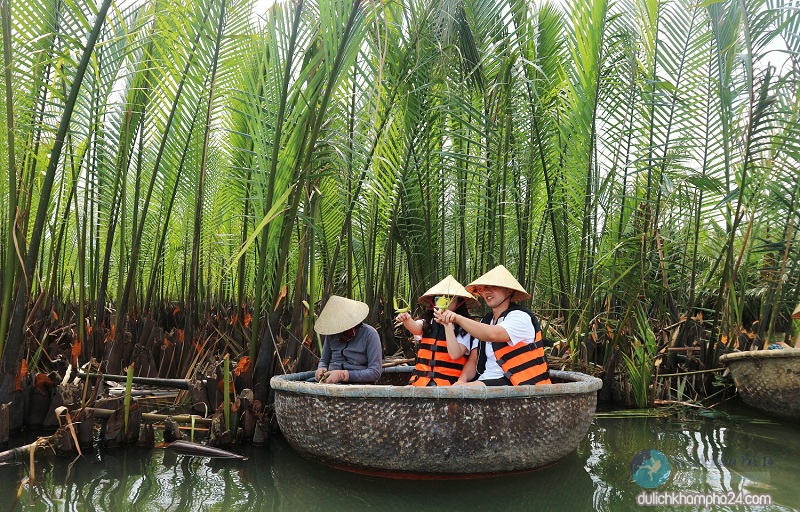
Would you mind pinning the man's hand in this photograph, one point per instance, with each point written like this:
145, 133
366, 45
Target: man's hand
445, 317
469, 384
335, 376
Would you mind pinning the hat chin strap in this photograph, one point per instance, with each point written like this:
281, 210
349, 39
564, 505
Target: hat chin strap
501, 303
508, 297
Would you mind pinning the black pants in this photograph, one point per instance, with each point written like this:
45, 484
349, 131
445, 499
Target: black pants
502, 381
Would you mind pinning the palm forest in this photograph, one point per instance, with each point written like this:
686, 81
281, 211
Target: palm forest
184, 184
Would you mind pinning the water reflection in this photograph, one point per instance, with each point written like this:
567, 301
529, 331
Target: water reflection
311, 486
707, 454
726, 453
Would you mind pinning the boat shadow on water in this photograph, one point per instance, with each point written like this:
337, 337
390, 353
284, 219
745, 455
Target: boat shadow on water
303, 484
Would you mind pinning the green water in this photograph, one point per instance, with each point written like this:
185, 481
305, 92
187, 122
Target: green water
735, 452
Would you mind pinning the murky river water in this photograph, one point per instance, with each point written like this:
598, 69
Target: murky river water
738, 453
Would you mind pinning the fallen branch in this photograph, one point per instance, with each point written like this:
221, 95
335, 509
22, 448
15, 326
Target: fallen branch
676, 324
22, 452
15, 454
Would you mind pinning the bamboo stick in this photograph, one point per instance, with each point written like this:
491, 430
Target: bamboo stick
145, 381
712, 370
226, 396
157, 418
677, 402
398, 362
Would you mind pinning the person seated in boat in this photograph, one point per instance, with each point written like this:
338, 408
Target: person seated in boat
352, 349
443, 349
778, 345
510, 350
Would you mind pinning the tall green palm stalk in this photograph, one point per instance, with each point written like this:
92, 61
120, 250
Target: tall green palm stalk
194, 267
139, 227
10, 260
14, 343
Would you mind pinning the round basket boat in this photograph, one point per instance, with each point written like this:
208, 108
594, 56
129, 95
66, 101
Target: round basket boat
768, 380
407, 431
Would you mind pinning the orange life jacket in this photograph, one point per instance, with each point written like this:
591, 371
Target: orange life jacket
523, 363
434, 365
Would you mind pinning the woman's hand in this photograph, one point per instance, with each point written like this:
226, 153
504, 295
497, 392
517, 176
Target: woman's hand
319, 374
405, 319
335, 376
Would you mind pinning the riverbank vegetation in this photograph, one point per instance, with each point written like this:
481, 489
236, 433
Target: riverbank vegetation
182, 182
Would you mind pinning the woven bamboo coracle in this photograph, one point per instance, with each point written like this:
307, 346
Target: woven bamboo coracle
768, 380
406, 430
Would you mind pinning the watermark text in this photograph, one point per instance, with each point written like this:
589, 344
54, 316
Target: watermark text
698, 499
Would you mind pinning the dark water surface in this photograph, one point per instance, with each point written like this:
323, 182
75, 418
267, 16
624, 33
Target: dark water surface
734, 452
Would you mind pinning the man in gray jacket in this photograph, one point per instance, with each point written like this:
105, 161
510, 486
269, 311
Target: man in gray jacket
352, 349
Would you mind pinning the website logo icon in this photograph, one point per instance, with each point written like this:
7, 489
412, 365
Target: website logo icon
650, 468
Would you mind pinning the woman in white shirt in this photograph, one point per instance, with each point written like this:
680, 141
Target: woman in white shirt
510, 349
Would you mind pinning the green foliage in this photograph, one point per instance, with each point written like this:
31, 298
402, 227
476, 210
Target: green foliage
639, 363
628, 161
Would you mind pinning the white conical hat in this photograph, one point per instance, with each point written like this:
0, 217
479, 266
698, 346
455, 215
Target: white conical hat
500, 276
340, 314
450, 287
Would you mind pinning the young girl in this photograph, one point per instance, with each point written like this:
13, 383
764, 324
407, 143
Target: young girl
443, 349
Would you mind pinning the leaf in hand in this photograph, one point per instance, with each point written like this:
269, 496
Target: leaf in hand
443, 302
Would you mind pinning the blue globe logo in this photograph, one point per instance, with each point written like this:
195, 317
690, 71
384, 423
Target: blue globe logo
650, 468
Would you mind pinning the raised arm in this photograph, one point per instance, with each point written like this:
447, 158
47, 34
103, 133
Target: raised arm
413, 326
478, 330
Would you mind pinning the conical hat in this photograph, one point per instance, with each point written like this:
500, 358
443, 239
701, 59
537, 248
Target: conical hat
500, 276
450, 287
340, 314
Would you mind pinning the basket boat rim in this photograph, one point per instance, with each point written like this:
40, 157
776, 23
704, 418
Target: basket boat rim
577, 384
750, 355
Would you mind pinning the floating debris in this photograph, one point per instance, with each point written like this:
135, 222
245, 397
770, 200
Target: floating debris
200, 450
